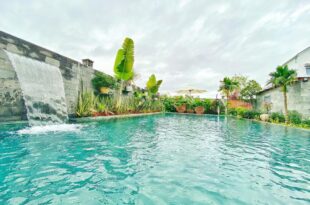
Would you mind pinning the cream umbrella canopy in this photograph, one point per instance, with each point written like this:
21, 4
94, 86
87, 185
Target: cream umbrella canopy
190, 91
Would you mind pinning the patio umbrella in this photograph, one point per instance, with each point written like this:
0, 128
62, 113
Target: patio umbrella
190, 91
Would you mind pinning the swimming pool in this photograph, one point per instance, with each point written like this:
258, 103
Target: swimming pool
159, 159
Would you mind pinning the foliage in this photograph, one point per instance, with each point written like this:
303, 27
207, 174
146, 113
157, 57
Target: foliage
251, 88
131, 104
103, 80
306, 123
283, 77
242, 81
215, 105
86, 104
294, 117
153, 85
244, 113
251, 114
277, 117
228, 85
170, 103
123, 65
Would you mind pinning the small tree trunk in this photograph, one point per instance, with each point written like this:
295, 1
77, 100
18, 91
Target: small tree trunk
226, 107
120, 94
285, 106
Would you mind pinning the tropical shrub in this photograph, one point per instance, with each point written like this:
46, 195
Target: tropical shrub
216, 104
251, 114
103, 80
294, 117
153, 85
86, 104
277, 117
237, 111
169, 104
306, 123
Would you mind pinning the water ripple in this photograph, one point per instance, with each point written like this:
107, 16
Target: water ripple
171, 159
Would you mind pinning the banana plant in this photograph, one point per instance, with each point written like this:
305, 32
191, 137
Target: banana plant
153, 85
123, 65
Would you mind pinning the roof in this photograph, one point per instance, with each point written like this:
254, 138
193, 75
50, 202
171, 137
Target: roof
299, 66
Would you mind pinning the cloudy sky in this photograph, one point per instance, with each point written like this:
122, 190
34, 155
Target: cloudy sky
187, 43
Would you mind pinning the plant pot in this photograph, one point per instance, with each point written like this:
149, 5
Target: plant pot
181, 108
104, 90
199, 110
190, 111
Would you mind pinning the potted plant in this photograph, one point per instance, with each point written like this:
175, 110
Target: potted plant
180, 104
104, 90
199, 108
181, 108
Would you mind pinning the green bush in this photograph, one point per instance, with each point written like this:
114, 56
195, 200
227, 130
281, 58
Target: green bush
169, 103
251, 114
232, 111
306, 123
277, 117
86, 104
103, 80
294, 117
214, 105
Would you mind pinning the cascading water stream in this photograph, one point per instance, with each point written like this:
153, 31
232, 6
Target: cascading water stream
43, 90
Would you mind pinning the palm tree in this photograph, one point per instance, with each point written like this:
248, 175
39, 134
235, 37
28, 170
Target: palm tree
283, 77
123, 66
228, 85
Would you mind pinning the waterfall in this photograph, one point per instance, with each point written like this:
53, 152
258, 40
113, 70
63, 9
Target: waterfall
43, 90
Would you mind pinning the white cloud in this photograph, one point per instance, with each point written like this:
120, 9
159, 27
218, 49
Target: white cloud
185, 43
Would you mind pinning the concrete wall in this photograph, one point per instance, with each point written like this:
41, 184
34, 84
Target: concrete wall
11, 101
298, 98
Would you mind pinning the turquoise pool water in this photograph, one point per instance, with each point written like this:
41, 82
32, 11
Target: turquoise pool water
160, 159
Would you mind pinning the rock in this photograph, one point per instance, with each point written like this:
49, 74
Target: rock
264, 117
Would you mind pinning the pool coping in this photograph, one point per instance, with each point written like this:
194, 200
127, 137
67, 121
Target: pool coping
235, 117
102, 118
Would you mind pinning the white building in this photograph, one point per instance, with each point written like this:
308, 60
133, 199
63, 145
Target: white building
298, 94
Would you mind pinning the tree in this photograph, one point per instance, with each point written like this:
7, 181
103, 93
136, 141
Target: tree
103, 80
153, 85
123, 66
228, 85
249, 91
242, 80
283, 77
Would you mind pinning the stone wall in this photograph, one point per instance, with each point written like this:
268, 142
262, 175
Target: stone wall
11, 102
298, 98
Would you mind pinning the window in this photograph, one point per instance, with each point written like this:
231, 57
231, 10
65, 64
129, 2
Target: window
307, 66
267, 99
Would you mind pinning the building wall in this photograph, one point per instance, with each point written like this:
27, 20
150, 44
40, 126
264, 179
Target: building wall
11, 102
298, 63
298, 98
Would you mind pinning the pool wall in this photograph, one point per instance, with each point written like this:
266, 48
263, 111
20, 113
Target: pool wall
74, 74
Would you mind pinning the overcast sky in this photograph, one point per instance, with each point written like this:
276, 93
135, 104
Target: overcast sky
188, 43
